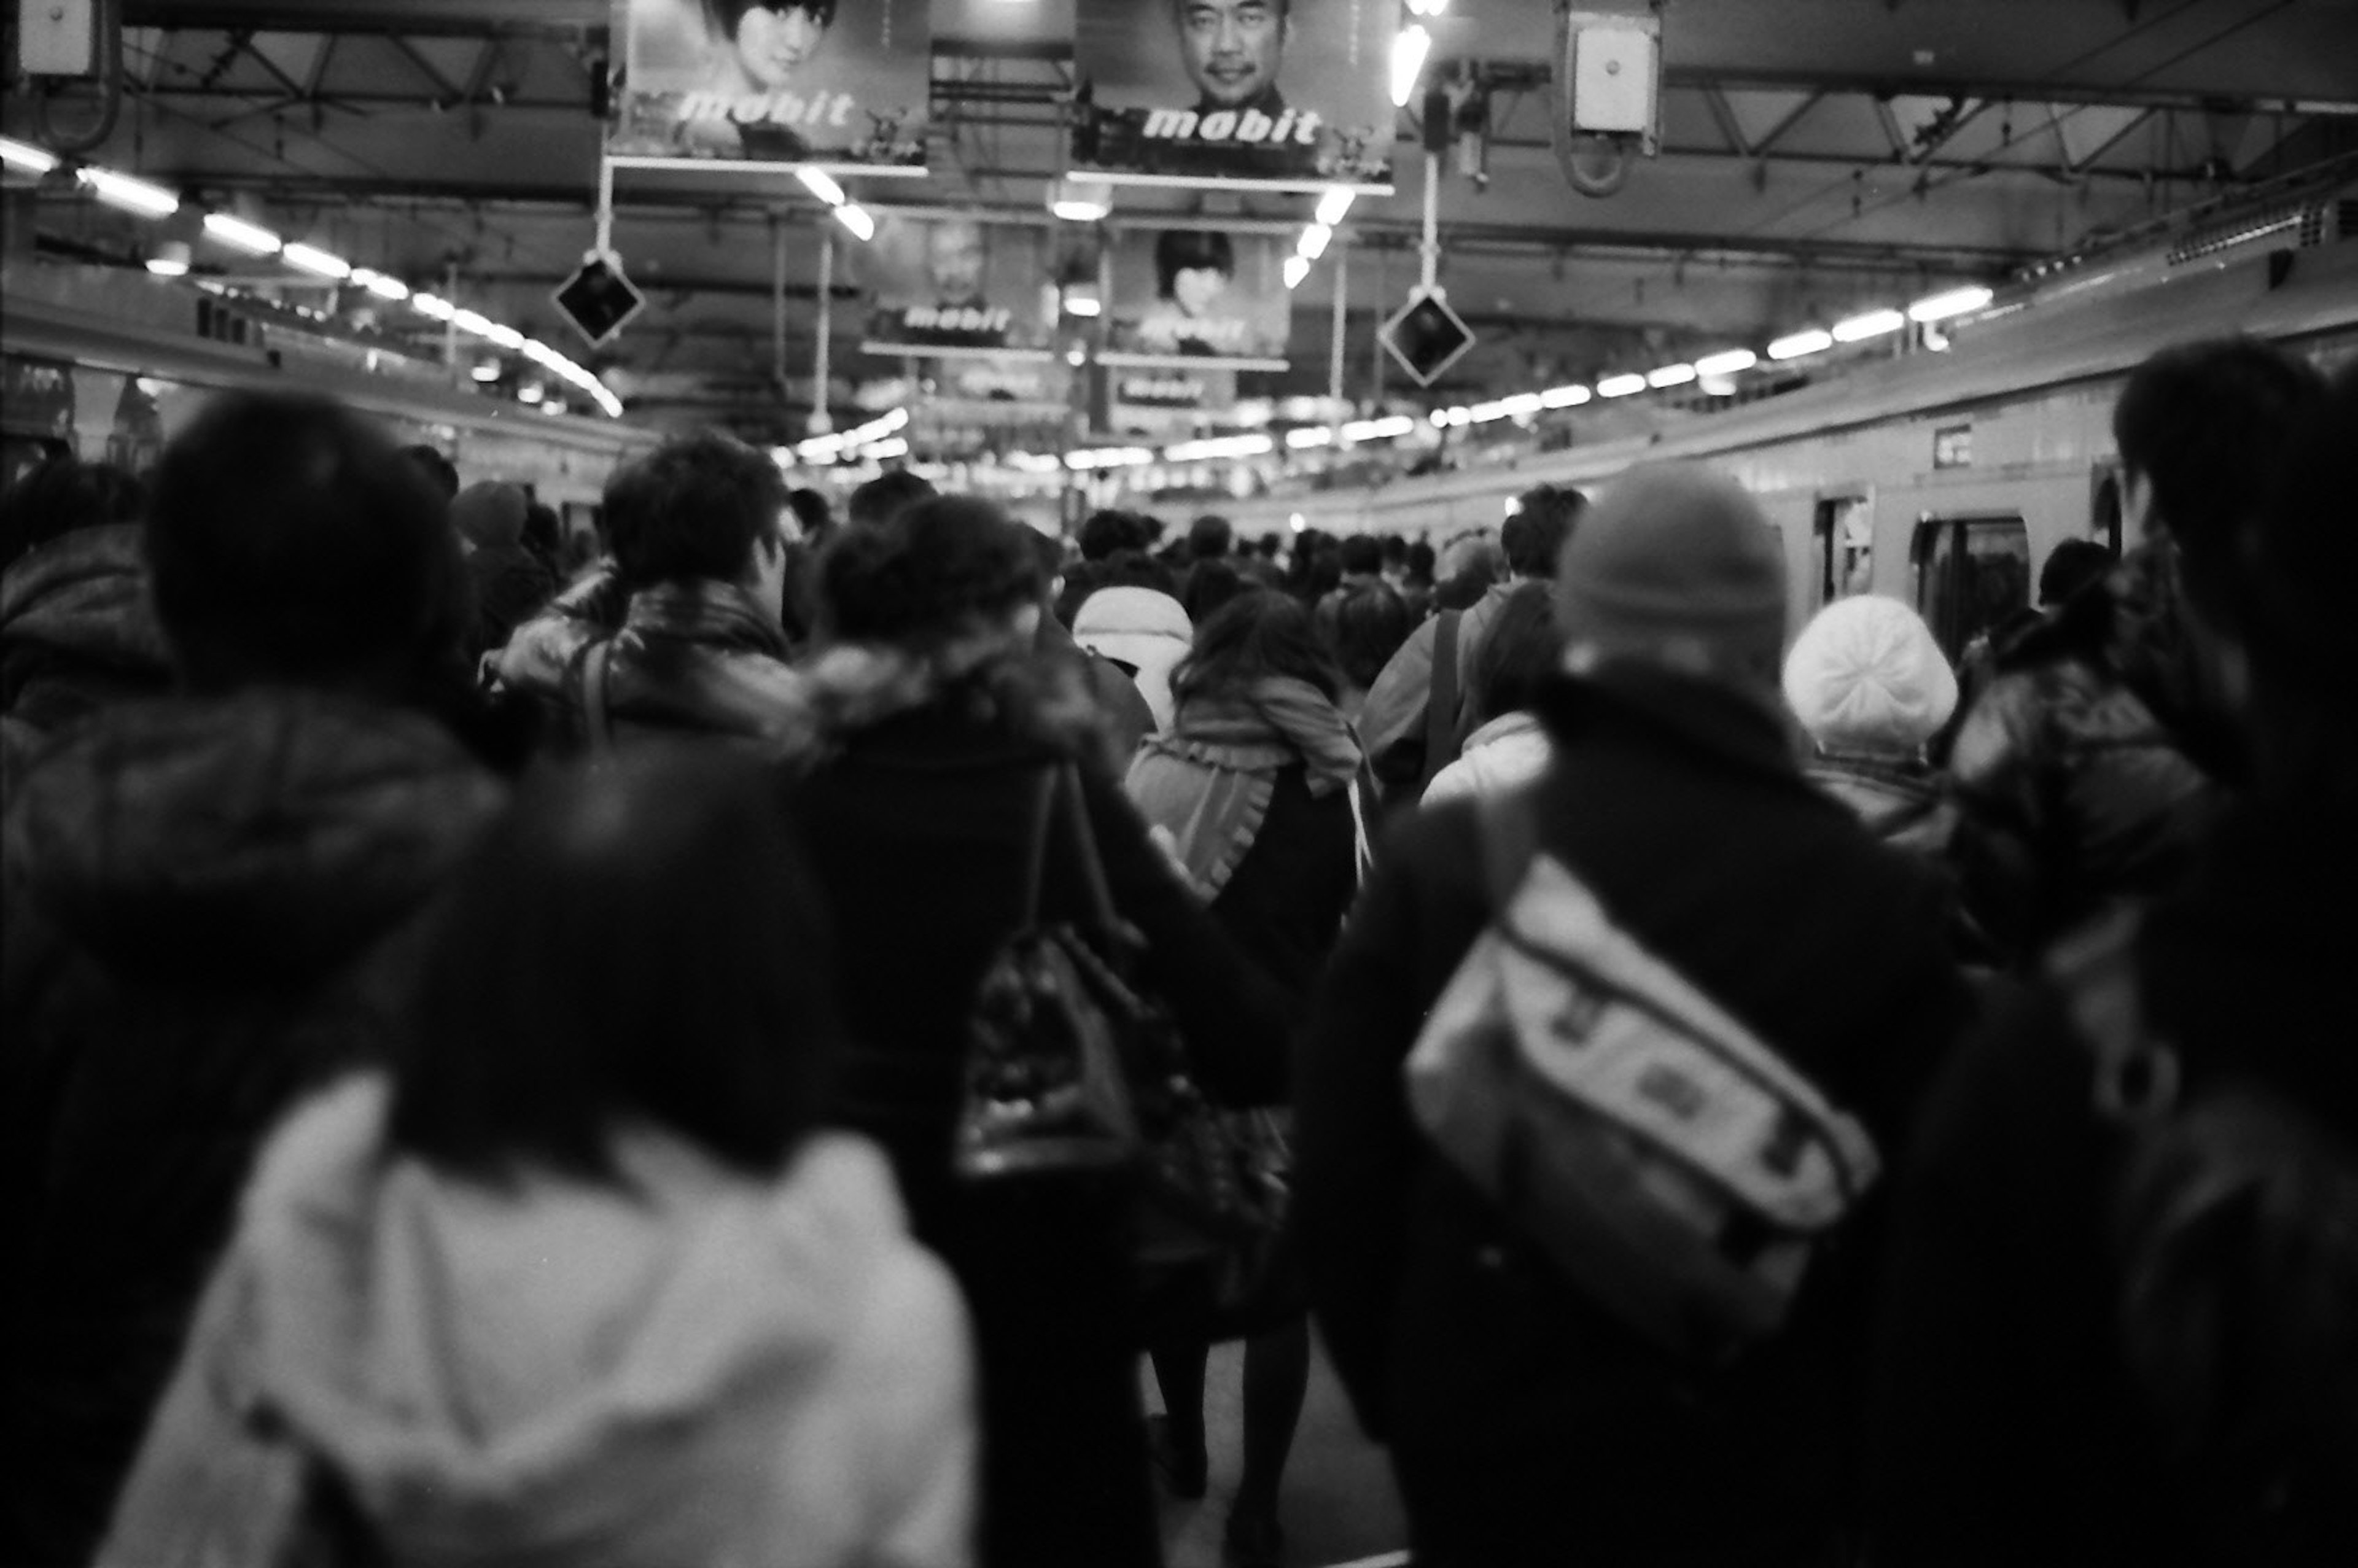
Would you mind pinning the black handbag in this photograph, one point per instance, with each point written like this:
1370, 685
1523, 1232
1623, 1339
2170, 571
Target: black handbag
1072, 1064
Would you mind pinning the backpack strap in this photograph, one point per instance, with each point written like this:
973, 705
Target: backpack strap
2136, 1074
595, 664
1440, 702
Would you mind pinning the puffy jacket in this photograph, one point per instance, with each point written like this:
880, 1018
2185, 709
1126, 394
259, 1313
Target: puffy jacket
688, 1367
210, 906
77, 633
1510, 751
1142, 629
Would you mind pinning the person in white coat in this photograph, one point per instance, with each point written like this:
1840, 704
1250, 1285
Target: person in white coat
577, 1280
1144, 630
1508, 747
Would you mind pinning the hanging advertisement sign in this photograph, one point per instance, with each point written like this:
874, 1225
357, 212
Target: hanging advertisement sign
949, 287
1283, 94
1166, 405
1183, 296
840, 84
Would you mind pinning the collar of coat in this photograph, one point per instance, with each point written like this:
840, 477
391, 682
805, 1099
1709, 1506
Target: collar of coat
1736, 726
707, 610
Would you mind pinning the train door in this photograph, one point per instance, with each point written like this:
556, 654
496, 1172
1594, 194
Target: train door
1970, 573
1842, 546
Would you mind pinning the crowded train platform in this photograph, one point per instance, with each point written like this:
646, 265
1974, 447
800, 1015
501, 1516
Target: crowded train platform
1178, 783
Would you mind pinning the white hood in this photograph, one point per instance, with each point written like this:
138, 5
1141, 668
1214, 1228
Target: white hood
1144, 629
1506, 753
705, 1370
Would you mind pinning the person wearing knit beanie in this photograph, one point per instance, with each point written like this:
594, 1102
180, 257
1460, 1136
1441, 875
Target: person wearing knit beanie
1676, 568
490, 516
1866, 676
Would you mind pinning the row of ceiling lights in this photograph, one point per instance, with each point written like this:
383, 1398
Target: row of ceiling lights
137, 196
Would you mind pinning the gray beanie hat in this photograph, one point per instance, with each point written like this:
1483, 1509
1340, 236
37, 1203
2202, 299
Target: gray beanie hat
1675, 567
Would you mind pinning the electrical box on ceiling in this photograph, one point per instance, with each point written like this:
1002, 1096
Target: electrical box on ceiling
1610, 75
57, 38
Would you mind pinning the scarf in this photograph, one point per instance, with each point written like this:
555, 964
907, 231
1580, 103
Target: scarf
1210, 781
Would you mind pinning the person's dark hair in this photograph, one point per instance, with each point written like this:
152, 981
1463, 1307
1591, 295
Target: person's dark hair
1533, 537
1362, 555
1395, 550
1210, 584
1191, 250
812, 512
62, 494
1369, 627
439, 470
289, 539
1210, 537
1103, 532
1257, 635
1517, 653
726, 17
885, 497
1135, 569
543, 529
697, 506
1420, 563
642, 944
927, 574
2071, 565
2204, 423
1268, 545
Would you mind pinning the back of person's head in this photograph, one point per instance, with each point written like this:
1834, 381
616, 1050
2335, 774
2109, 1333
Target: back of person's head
812, 513
697, 506
939, 570
1210, 585
1136, 569
1866, 675
885, 497
1369, 627
2070, 567
1676, 568
440, 471
62, 495
1268, 545
1518, 653
543, 531
1533, 537
1421, 562
290, 540
1209, 537
1395, 551
638, 945
491, 515
1362, 555
1472, 553
2203, 424
1103, 532
1256, 636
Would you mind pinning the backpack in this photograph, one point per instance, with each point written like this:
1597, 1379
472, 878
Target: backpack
2230, 1218
1673, 1168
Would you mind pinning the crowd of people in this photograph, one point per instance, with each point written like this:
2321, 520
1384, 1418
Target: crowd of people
487, 1018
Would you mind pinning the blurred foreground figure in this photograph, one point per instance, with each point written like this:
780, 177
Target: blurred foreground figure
577, 1280
205, 896
2123, 1324
1529, 1423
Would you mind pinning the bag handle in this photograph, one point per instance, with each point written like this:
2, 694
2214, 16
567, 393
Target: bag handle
600, 723
1035, 863
1442, 699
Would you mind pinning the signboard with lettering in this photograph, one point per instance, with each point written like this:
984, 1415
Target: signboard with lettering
1284, 94
1182, 297
750, 83
1166, 404
946, 286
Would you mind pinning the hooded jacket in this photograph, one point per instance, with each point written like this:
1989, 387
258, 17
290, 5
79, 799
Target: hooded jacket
1142, 629
1505, 753
692, 1369
77, 633
208, 906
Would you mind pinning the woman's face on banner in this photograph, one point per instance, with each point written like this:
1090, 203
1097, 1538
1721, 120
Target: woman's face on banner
1197, 288
774, 42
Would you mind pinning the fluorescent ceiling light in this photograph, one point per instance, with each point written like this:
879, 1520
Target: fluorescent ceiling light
857, 220
1726, 363
530, 392
381, 286
1563, 396
433, 305
504, 336
168, 267
1671, 375
1309, 436
473, 321
898, 446
821, 185
487, 369
1621, 385
1460, 415
240, 235
1334, 203
136, 195
1313, 241
1083, 305
1409, 48
1520, 404
27, 157
1080, 201
1427, 8
1792, 346
1483, 413
1955, 302
310, 258
1073, 211
1296, 269
1868, 324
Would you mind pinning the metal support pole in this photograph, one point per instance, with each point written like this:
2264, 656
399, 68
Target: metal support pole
605, 243
1430, 251
821, 422
1342, 319
450, 323
778, 301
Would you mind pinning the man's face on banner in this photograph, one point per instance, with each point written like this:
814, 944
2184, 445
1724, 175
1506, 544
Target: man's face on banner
773, 42
1233, 48
954, 259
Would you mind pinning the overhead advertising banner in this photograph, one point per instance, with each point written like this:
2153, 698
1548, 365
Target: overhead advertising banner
1285, 94
1183, 296
1166, 404
763, 83
947, 287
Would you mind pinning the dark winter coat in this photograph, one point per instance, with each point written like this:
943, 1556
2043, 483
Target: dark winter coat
2004, 1429
919, 828
208, 904
509, 585
1526, 1427
77, 634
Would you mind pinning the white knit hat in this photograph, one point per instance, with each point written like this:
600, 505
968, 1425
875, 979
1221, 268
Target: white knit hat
1866, 675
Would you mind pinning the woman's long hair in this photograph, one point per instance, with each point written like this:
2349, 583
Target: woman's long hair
1259, 636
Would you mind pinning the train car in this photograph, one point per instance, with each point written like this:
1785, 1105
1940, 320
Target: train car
108, 364
1942, 478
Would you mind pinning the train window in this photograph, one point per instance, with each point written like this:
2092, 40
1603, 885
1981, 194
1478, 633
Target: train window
1843, 535
1970, 573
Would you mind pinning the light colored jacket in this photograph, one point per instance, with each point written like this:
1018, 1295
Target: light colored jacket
1142, 628
1508, 752
692, 1371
